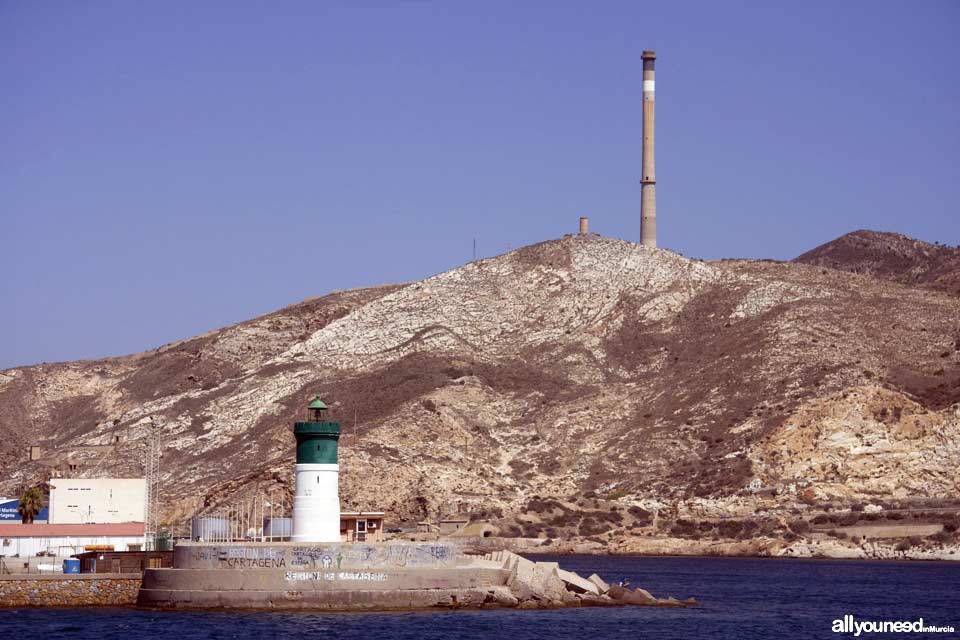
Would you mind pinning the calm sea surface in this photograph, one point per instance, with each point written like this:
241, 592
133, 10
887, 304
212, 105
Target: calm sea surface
739, 599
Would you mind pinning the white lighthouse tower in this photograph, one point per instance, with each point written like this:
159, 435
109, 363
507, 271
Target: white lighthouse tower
316, 505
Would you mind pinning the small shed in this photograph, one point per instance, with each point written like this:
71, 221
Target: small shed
123, 561
452, 525
361, 526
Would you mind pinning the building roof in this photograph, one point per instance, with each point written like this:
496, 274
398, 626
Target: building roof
123, 554
361, 513
140, 479
317, 404
70, 530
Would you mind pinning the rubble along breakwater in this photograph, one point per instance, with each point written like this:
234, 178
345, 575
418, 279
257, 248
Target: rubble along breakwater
371, 577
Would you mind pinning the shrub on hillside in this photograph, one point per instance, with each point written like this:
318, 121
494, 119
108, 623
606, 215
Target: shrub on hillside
848, 520
614, 517
565, 519
590, 527
511, 531
735, 529
642, 516
942, 537
538, 505
799, 526
683, 528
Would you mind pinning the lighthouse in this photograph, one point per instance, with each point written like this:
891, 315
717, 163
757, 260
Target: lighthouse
316, 504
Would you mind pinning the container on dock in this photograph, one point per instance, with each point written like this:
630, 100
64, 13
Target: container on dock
210, 528
277, 528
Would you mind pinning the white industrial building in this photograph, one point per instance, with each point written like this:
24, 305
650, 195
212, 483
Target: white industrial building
96, 500
64, 540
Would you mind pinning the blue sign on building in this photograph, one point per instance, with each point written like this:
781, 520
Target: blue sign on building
8, 512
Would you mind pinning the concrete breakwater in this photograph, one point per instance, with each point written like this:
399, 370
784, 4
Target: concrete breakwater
94, 589
381, 576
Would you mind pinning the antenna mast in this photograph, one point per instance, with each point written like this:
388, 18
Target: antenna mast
151, 494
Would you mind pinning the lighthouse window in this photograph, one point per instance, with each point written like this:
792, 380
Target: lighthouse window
318, 479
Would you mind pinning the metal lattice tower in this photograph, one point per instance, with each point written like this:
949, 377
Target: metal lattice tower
151, 472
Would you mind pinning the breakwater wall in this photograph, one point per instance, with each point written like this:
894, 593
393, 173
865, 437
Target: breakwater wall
333, 576
378, 577
339, 557
94, 589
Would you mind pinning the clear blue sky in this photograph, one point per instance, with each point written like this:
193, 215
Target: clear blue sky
171, 167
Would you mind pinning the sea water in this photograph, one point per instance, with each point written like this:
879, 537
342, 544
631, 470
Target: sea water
739, 599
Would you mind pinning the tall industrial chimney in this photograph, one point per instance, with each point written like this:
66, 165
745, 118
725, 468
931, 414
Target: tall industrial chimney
648, 182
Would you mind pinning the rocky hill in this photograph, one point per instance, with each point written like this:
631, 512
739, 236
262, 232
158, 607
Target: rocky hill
584, 386
892, 256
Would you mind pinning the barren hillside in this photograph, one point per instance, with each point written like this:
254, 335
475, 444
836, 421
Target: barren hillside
892, 256
584, 368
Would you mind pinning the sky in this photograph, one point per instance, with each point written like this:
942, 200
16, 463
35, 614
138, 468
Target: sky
169, 168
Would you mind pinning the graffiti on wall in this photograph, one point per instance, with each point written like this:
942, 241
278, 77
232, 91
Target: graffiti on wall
255, 563
391, 555
329, 576
252, 558
420, 555
317, 557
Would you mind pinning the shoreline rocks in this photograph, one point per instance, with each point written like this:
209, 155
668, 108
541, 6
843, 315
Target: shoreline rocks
546, 585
